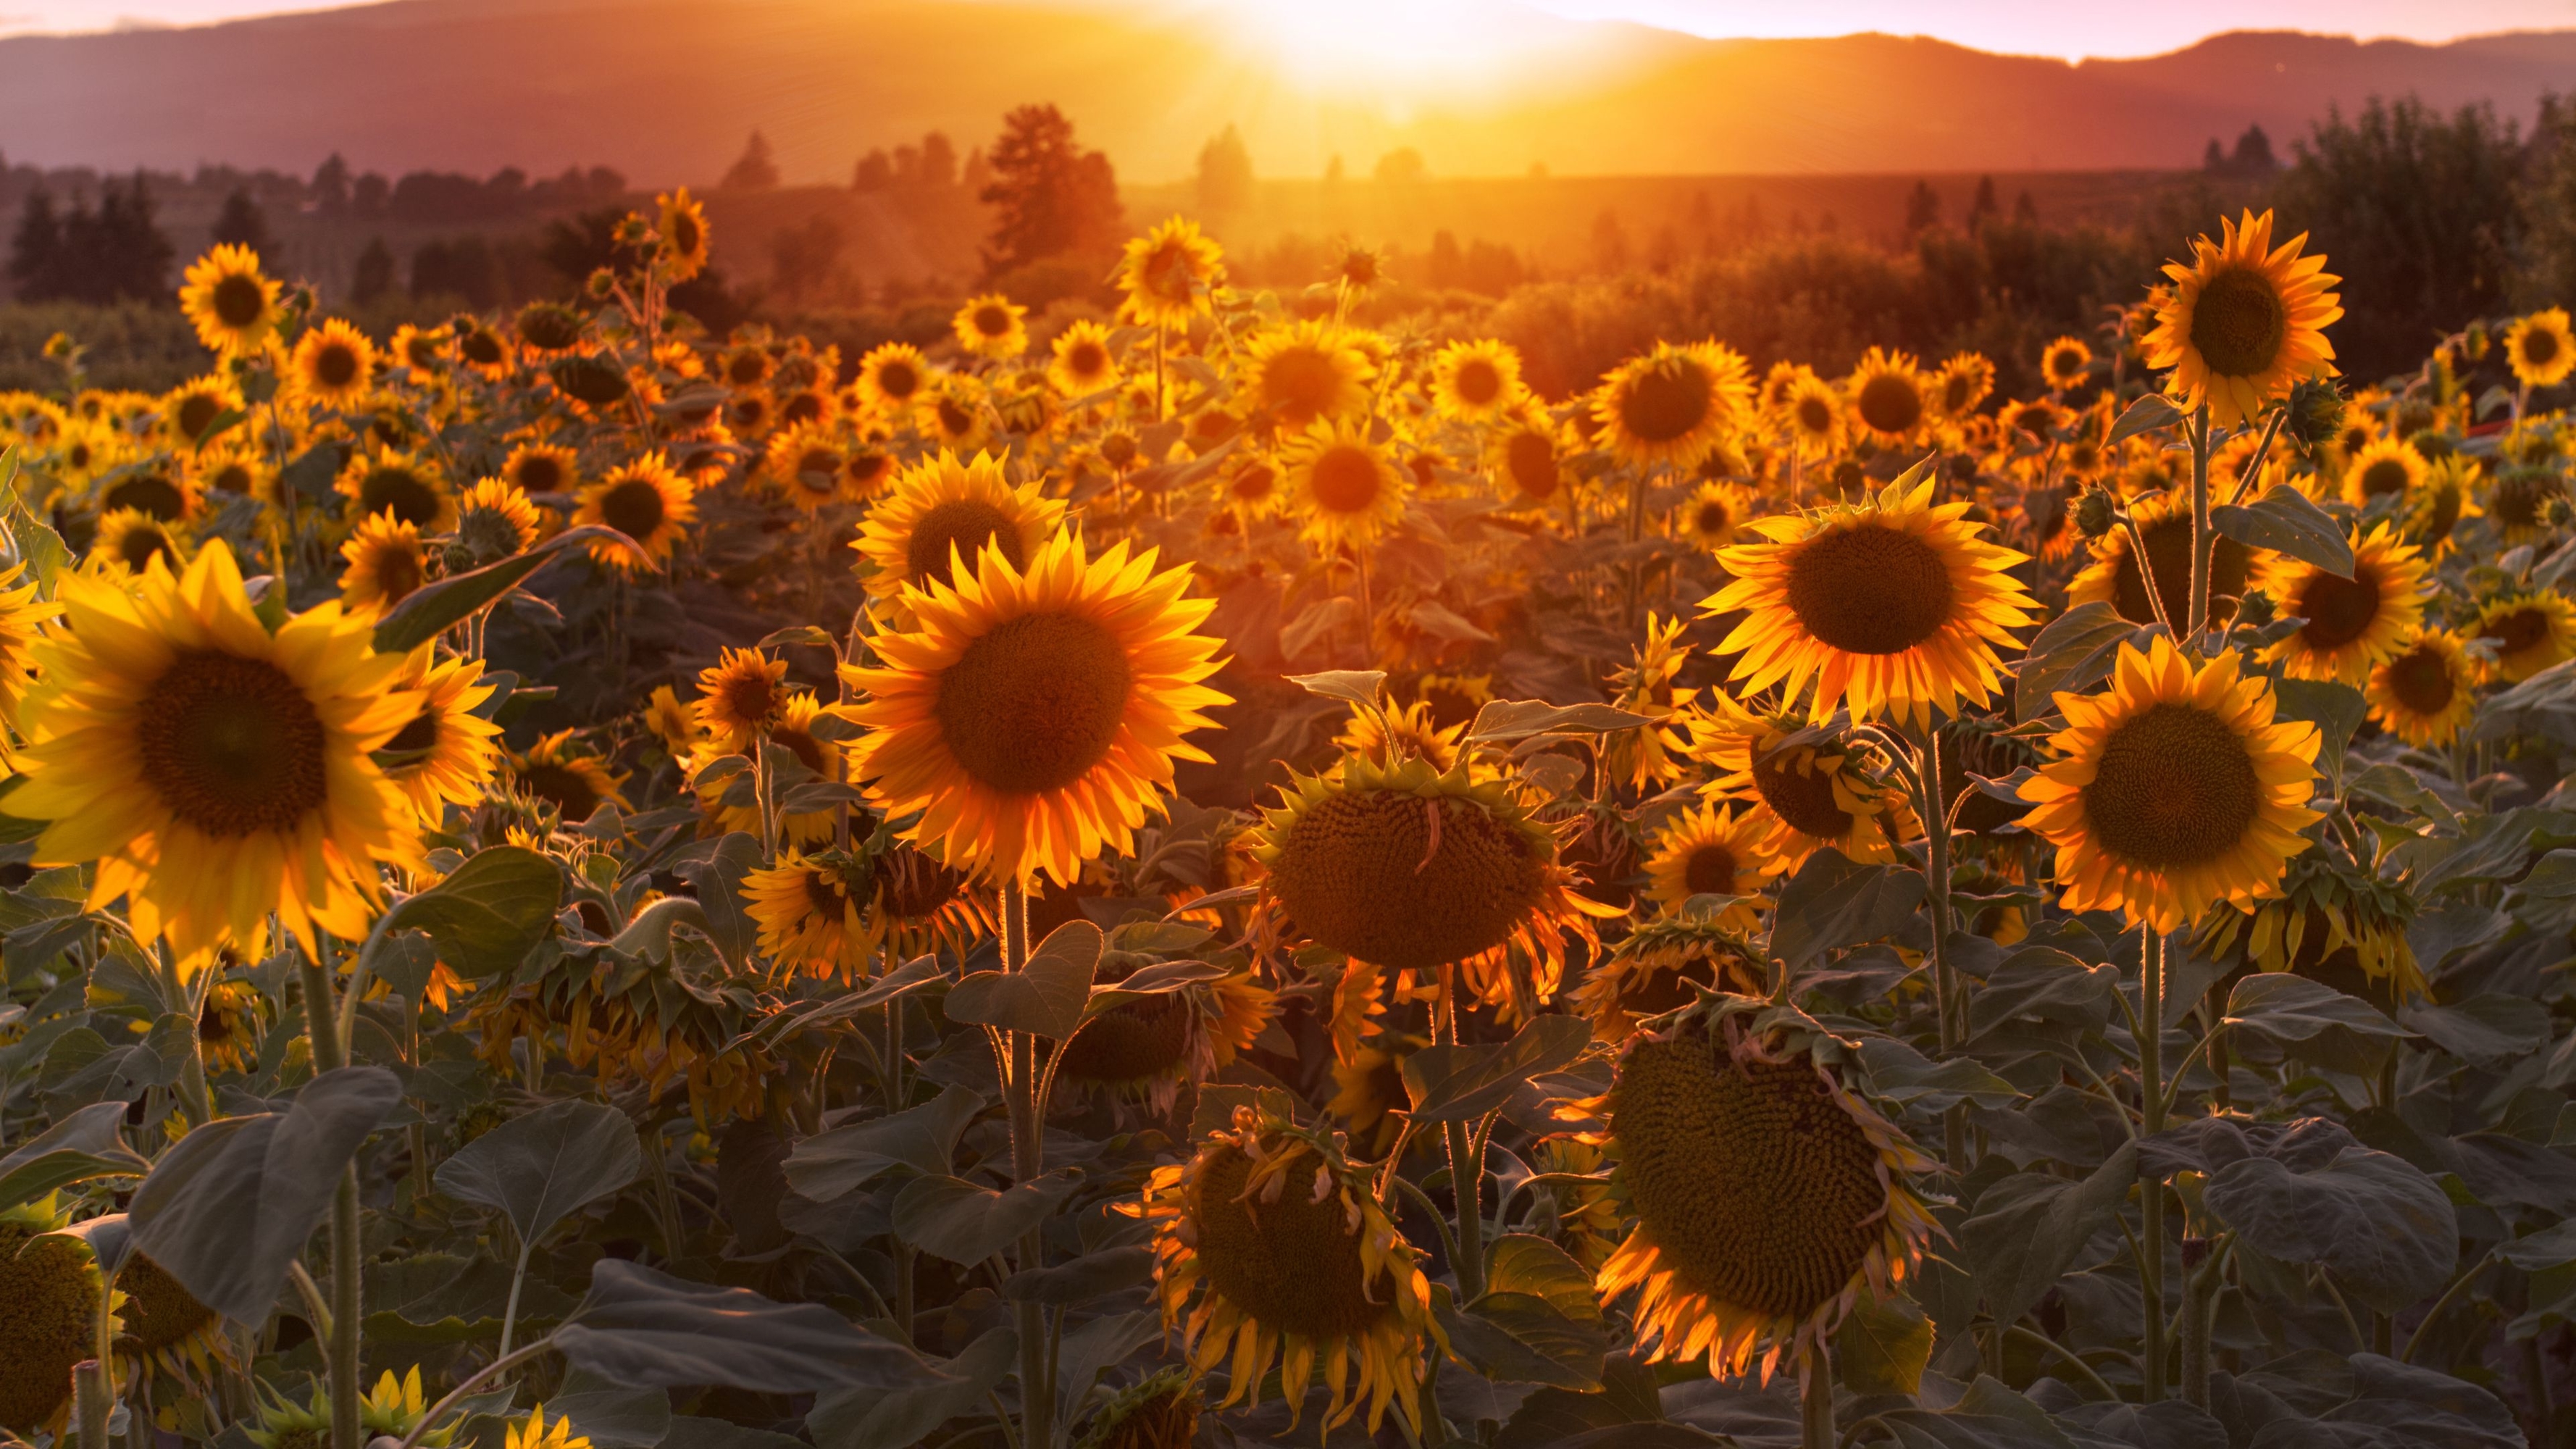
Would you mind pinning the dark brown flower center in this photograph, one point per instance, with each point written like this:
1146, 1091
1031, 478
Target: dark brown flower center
1361, 872
1802, 795
150, 492
2384, 475
239, 301
2539, 347
1347, 479
634, 508
2421, 681
335, 365
1292, 1264
2338, 610
967, 525
1870, 589
1710, 871
1479, 382
1667, 402
1531, 460
2169, 560
1301, 383
231, 746
1815, 415
1035, 702
2238, 323
2517, 630
1890, 403
898, 380
408, 496
2174, 787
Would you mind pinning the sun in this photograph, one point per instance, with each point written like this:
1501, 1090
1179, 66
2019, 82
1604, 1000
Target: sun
1387, 46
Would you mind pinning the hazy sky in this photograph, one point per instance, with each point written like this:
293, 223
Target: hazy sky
2068, 28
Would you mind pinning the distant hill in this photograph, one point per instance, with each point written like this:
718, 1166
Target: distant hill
665, 90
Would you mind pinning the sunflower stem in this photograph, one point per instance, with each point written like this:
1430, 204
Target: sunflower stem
1028, 1162
2151, 1209
346, 1432
2203, 541
1816, 1398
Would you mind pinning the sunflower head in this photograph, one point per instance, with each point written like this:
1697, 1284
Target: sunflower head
943, 513
2353, 624
1673, 404
892, 376
333, 365
1301, 372
130, 541
683, 235
2065, 362
1962, 384
48, 1310
1708, 851
1524, 455
649, 502
2114, 578
232, 305
2425, 691
385, 564
992, 326
161, 1325
2531, 631
2384, 468
1345, 486
1890, 400
1476, 382
811, 911
1713, 513
2332, 922
1170, 274
741, 694
409, 487
1666, 964
395, 1407
494, 519
2245, 321
533, 1432
1808, 788
2541, 348
1081, 360
560, 773
444, 754
1813, 411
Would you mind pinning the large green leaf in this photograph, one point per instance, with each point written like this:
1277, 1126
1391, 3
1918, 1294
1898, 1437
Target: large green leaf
891, 1415
966, 1223
718, 882
2384, 1229
429, 611
1047, 998
489, 913
1521, 1338
2285, 520
2311, 1020
542, 1167
86, 1144
1833, 903
1518, 719
1883, 1345
834, 1164
1463, 1083
2029, 1226
2335, 709
2076, 650
646, 1329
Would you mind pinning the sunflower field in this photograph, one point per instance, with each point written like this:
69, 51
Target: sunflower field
1223, 875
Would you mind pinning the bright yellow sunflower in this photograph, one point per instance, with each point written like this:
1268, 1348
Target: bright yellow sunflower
1714, 513
2354, 624
812, 912
1525, 454
684, 235
992, 326
646, 501
891, 378
1710, 852
2447, 496
805, 463
956, 414
2531, 632
542, 468
1889, 397
332, 366
22, 619
217, 772
494, 519
1476, 382
1033, 714
1345, 487
2384, 467
942, 510
189, 409
129, 539
2424, 693
2173, 789
1894, 605
1806, 793
1961, 384
1303, 371
1284, 1246
739, 695
385, 564
791, 729
233, 307
1080, 362
237, 471
409, 487
2065, 362
571, 778
443, 755
1814, 413
1170, 274
2541, 348
2165, 523
868, 467
1673, 404
2245, 321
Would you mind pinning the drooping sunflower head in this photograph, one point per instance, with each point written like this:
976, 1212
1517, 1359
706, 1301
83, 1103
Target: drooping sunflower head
2331, 922
943, 513
1170, 273
2354, 624
892, 376
2517, 503
1345, 486
1673, 404
573, 779
1655, 969
494, 519
2113, 577
1033, 714
1964, 382
1159, 1411
811, 910
1890, 398
161, 1325
2245, 321
2425, 692
2532, 631
1769, 1195
2384, 468
333, 365
2541, 348
1290, 1258
48, 1310
1524, 456
129, 540
231, 304
1476, 382
645, 500
992, 326
1895, 605
1300, 372
443, 755
384, 564
2174, 789
1143, 1050
741, 694
1808, 788
683, 234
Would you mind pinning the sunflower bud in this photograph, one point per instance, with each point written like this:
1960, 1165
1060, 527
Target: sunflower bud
633, 230
601, 285
2559, 513
59, 346
2316, 414
2256, 609
2096, 514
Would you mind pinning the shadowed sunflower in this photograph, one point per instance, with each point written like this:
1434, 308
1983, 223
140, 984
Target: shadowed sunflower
2354, 623
192, 407
2540, 348
494, 519
992, 326
743, 692
891, 378
805, 461
1253, 488
574, 780
444, 754
1169, 274
1033, 715
955, 414
22, 617
2332, 923
234, 308
2447, 496
1476, 382
1814, 413
1962, 383
2424, 693
2531, 632
1080, 361
2517, 503
332, 366
385, 564
1524, 456
1769, 1196
232, 471
1291, 1260
1809, 788
484, 350
1143, 1050
812, 912
215, 771
1159, 1411
1711, 516
129, 539
1889, 397
162, 1328
2165, 523
727, 801
943, 511
1652, 970
921, 906
2244, 322
1673, 404
403, 484
2039, 420
1709, 852
2174, 789
2065, 362
648, 503
1304, 371
2384, 467
542, 468
1397, 733
533, 1432
673, 723
229, 1025
1368, 1090
868, 468
684, 234
1348, 490
50, 1288
1894, 605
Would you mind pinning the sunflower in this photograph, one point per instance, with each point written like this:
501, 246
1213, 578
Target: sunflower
2384, 467
1304, 371
443, 754
1768, 1194
956, 414
992, 326
805, 462
1033, 714
2065, 362
741, 694
1144, 1050
485, 351
1671, 405
891, 378
394, 1408
385, 564
151, 487
2540, 348
1654, 968
648, 503
867, 467
2173, 789
2354, 624
2040, 419
2531, 632
919, 906
161, 1327
2165, 523
494, 519
2517, 503
1894, 604
1081, 363
191, 408
387, 481
22, 618
941, 511
673, 723
684, 235
1399, 732
1712, 514
1368, 1089
1159, 1411
50, 1288
534, 1433
790, 729
1283, 1244
1814, 412
1962, 383
1709, 852
2244, 322
424, 350
812, 911
2331, 922
1525, 454
1476, 382
2425, 692
215, 770
574, 780
237, 472
234, 309
229, 1023
1170, 274
2446, 497
1888, 396
542, 468
332, 365
1346, 487
129, 539
1806, 792
1252, 488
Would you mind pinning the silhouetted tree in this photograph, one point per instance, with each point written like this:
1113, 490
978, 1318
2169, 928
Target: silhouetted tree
2213, 158
35, 252
875, 172
1055, 198
938, 160
463, 268
368, 194
755, 170
112, 254
2025, 210
241, 223
1402, 166
1225, 175
1609, 243
331, 185
2254, 154
1922, 209
374, 275
1985, 208
801, 258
